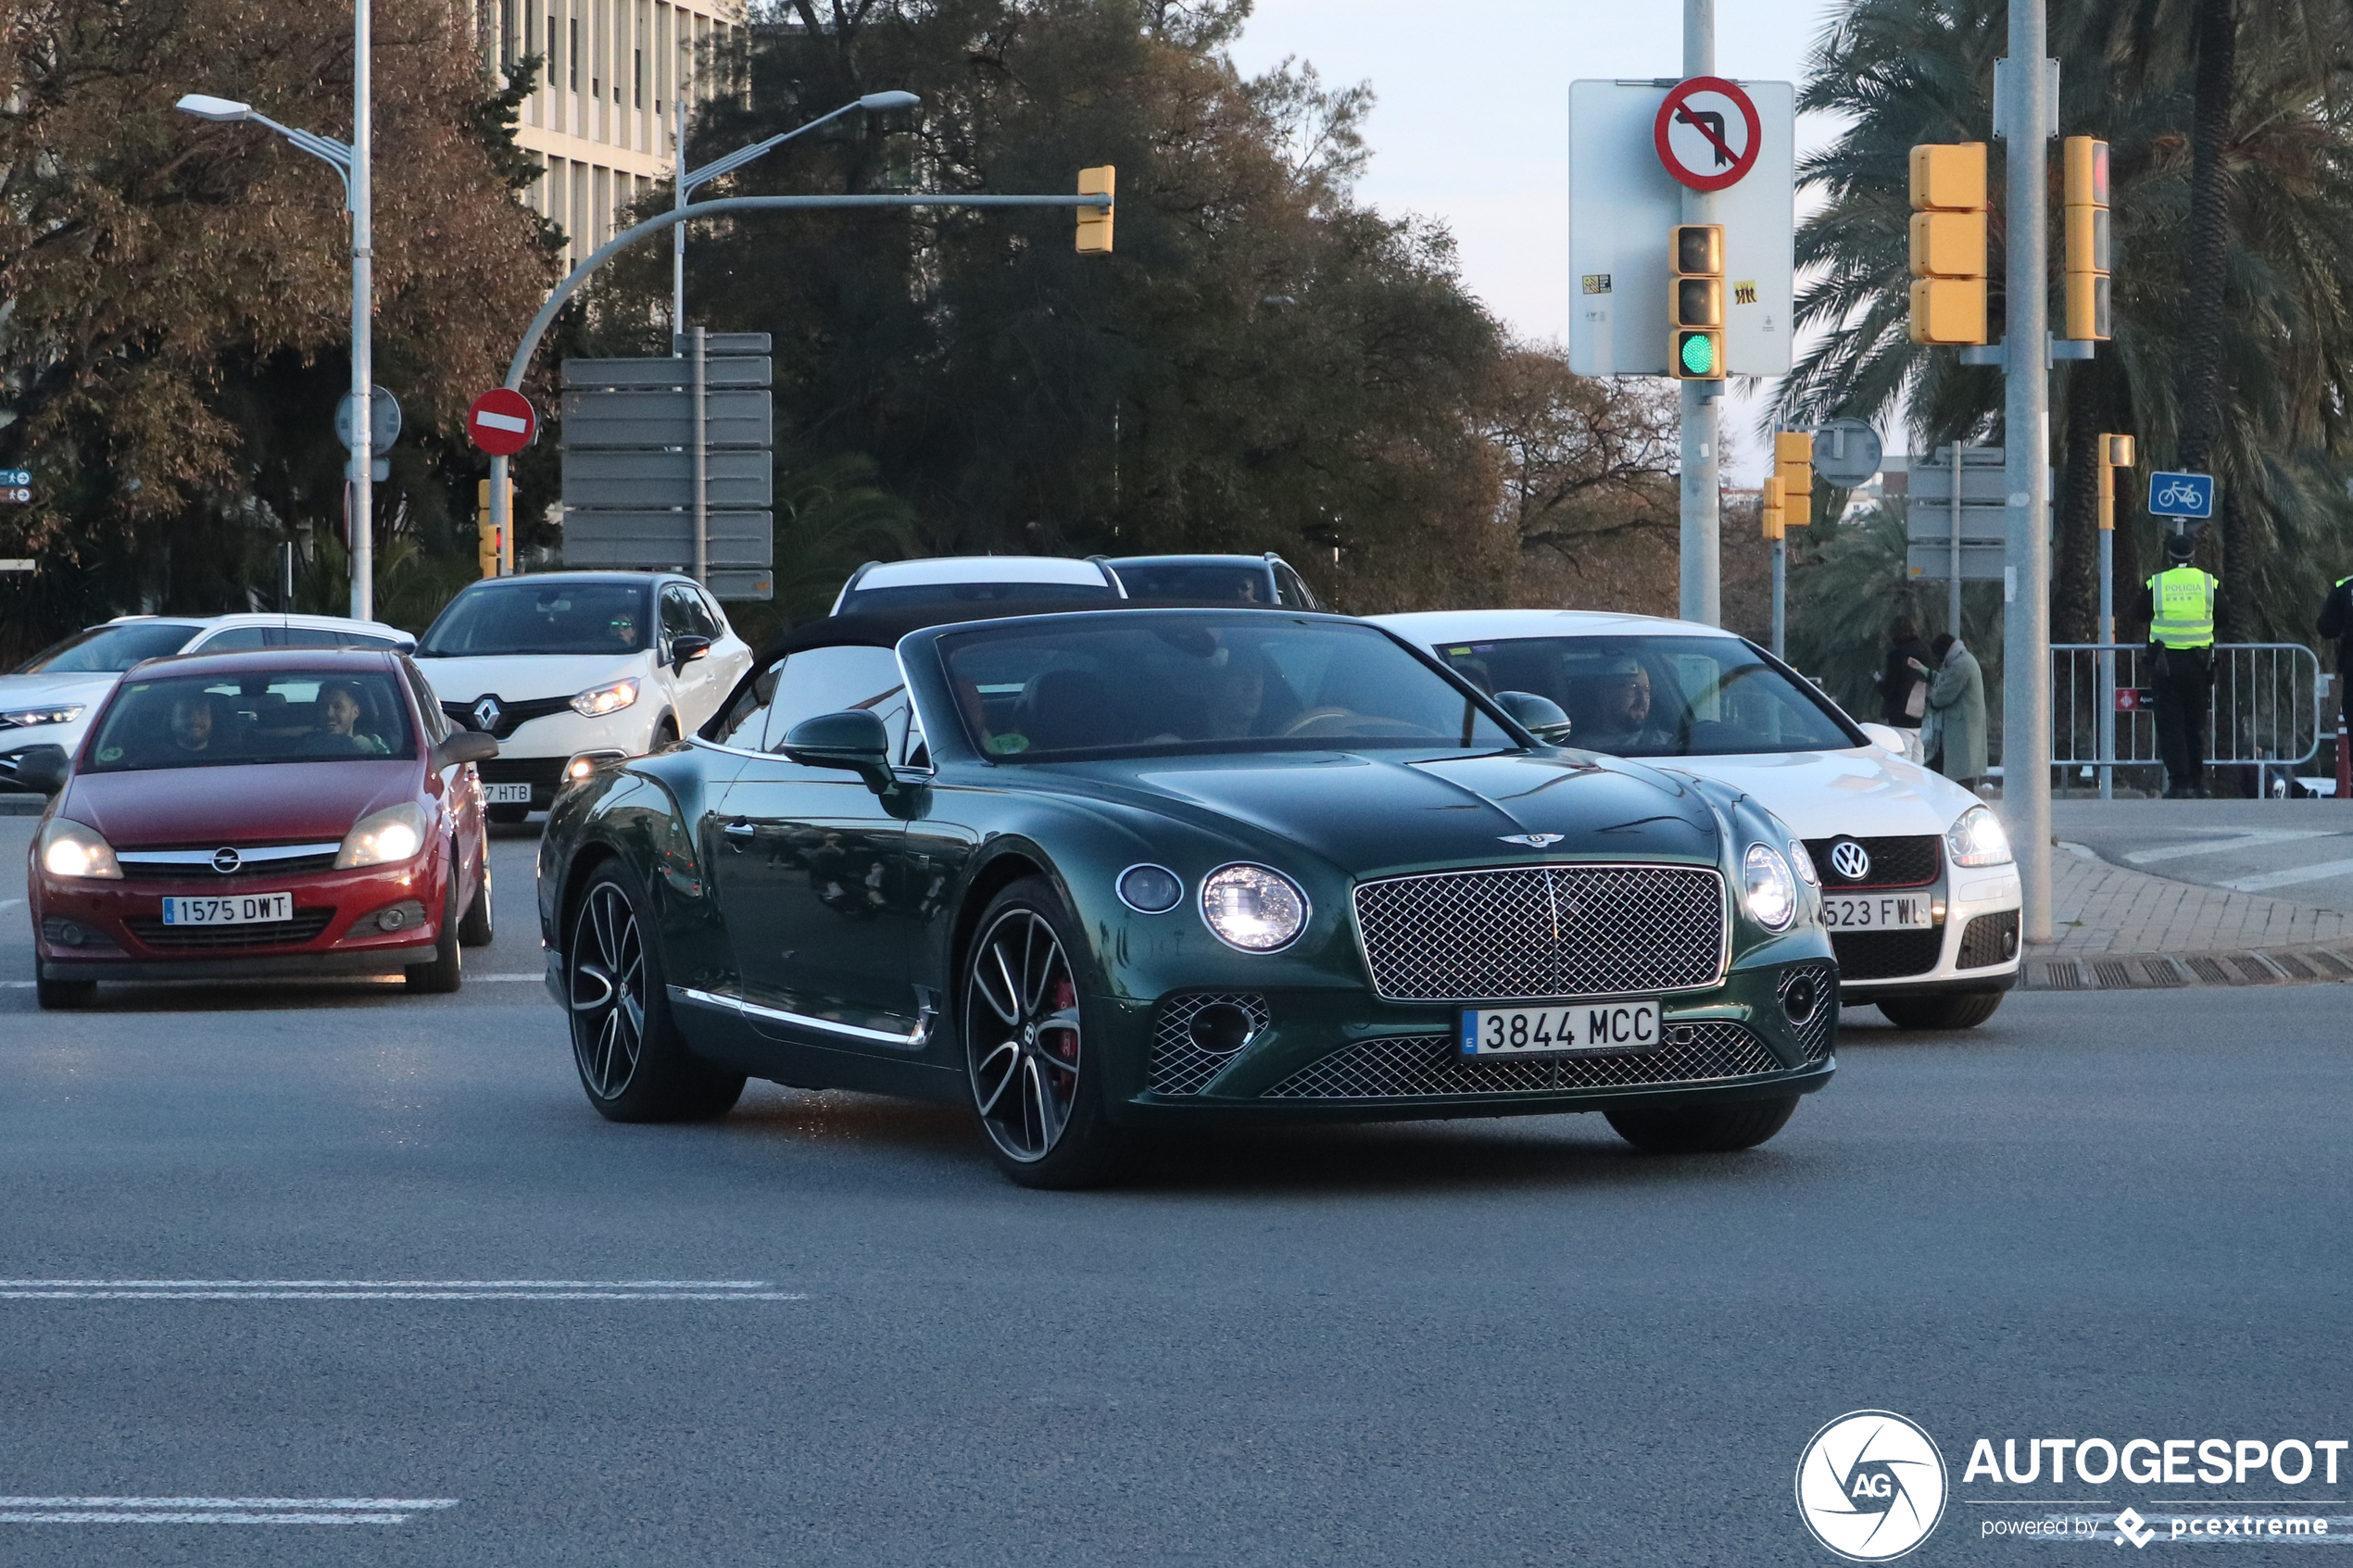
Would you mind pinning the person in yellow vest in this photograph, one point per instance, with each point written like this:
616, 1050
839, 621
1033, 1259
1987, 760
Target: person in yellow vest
2179, 605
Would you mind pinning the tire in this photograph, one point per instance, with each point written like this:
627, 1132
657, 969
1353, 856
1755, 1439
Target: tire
666, 736
64, 996
507, 816
634, 1064
445, 970
1703, 1129
1944, 1009
475, 929
1030, 1058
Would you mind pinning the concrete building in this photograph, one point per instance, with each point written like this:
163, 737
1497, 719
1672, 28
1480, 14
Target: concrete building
603, 120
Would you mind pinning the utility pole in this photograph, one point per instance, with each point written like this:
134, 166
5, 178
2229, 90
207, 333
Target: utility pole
363, 370
679, 194
2027, 124
1701, 597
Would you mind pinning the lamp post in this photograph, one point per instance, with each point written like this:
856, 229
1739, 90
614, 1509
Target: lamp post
689, 182
349, 161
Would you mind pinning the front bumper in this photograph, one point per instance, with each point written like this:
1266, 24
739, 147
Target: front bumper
1976, 948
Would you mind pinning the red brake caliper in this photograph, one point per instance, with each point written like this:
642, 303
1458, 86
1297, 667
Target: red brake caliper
1065, 1043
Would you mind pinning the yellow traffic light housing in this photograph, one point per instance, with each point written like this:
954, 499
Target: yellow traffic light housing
2115, 452
1793, 468
1770, 507
1094, 222
1948, 242
1695, 301
493, 551
2088, 263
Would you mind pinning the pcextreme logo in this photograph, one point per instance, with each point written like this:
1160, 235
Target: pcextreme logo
1871, 1486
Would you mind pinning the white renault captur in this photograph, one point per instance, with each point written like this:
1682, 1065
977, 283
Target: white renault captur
571, 669
1919, 888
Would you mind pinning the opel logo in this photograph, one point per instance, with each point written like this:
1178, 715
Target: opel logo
225, 860
487, 713
1850, 859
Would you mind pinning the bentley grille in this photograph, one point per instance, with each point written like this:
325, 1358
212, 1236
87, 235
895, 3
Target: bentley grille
1542, 931
1409, 1065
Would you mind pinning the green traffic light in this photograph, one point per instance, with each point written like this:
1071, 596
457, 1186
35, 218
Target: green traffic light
1698, 355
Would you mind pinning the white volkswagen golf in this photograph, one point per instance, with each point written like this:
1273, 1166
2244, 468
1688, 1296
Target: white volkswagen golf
1918, 885
570, 669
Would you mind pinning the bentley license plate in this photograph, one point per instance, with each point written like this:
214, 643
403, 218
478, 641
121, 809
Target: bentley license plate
505, 795
237, 908
1875, 911
1577, 1029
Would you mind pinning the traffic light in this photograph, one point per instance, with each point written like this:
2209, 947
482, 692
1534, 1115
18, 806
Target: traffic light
1793, 466
1094, 222
494, 554
1695, 301
1948, 242
2088, 242
2115, 452
1771, 512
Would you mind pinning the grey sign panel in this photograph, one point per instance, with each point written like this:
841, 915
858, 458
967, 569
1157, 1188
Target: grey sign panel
655, 481
1847, 452
666, 419
1991, 457
1980, 563
666, 372
741, 584
682, 344
1977, 485
665, 541
1988, 525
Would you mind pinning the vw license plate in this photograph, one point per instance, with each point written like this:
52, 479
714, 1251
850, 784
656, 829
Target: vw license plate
1875, 911
505, 795
1579, 1029
238, 909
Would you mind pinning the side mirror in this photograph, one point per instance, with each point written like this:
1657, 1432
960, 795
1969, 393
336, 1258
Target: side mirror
687, 648
43, 769
855, 740
1903, 743
1539, 716
466, 745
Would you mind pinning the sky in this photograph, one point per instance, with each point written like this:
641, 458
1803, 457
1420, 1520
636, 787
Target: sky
1471, 125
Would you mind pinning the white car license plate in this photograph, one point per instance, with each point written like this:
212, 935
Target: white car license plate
1875, 911
237, 908
505, 795
1579, 1029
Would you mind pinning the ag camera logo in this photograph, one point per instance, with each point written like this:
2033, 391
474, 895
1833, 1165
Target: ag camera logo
1871, 1486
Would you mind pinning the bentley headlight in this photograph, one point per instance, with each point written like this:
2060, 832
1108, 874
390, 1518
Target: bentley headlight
598, 701
1977, 839
1253, 908
71, 848
383, 837
1767, 889
24, 718
1805, 864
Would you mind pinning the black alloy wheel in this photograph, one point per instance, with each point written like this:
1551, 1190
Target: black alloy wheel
475, 929
634, 1064
445, 971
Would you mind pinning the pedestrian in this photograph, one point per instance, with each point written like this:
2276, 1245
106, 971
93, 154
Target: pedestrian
2336, 622
2179, 606
1903, 690
1957, 706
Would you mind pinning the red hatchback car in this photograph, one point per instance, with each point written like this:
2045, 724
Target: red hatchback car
260, 814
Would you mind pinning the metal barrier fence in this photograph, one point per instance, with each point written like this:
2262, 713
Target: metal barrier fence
2265, 710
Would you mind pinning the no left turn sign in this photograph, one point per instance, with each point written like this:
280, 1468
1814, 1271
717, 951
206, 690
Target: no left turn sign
1707, 132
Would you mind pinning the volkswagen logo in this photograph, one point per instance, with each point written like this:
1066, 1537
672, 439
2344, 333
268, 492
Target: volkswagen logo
487, 713
225, 860
1850, 859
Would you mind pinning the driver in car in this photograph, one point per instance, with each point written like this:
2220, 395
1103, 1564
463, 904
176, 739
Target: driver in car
192, 722
622, 630
1619, 697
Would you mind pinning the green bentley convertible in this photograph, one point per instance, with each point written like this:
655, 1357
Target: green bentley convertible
1100, 873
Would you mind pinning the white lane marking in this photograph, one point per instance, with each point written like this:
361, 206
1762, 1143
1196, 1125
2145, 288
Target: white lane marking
2289, 877
216, 1511
391, 1290
495, 978
128, 1518
2222, 845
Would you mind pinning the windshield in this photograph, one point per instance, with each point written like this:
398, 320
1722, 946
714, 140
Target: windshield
264, 716
923, 595
1658, 696
1206, 682
519, 616
1196, 583
110, 650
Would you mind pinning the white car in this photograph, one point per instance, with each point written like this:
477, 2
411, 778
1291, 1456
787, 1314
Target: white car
571, 669
1919, 888
50, 699
903, 584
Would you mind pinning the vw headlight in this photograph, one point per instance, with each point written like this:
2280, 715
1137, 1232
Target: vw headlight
1977, 839
1767, 889
1253, 908
24, 718
598, 701
71, 848
381, 837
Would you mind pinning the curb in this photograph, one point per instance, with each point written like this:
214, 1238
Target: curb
2157, 972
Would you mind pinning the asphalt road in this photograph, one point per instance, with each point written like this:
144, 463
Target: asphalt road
1493, 1343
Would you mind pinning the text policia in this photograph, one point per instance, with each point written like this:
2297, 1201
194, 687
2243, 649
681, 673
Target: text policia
2173, 1461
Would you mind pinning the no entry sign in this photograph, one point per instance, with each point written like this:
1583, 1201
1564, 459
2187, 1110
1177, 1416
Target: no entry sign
1707, 132
501, 422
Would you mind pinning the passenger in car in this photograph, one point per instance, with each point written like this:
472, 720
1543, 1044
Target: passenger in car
339, 709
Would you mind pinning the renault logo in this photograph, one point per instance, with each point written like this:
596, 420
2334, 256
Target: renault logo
1850, 859
487, 713
225, 860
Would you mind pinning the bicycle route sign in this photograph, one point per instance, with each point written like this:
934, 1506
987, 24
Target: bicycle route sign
2188, 495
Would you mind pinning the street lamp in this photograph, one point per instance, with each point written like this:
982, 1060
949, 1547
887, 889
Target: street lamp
688, 184
350, 160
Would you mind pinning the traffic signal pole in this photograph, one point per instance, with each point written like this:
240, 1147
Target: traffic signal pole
1701, 595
